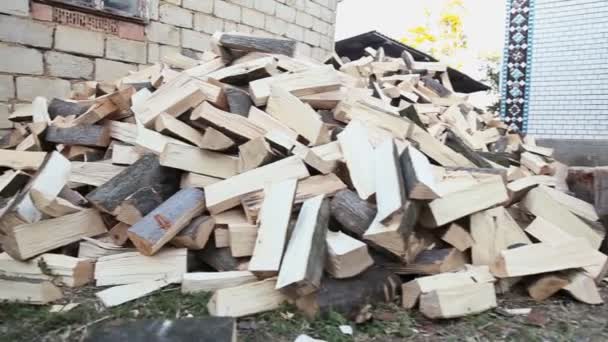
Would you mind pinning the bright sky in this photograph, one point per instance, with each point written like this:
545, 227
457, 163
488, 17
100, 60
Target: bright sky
483, 22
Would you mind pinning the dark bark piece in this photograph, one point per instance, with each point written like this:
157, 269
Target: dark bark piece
217, 329
456, 144
87, 135
411, 113
146, 172
260, 44
196, 235
504, 159
354, 214
349, 296
59, 107
239, 100
433, 261
138, 205
12, 182
12, 138
118, 233
581, 182
600, 188
220, 259
436, 87
163, 223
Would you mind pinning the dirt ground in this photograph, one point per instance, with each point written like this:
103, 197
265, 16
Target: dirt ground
557, 319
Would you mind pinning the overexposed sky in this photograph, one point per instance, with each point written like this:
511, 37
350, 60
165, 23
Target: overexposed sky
483, 22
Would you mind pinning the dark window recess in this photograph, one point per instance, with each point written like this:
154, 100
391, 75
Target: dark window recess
130, 9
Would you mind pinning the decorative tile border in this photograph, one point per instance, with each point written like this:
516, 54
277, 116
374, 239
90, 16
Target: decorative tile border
517, 64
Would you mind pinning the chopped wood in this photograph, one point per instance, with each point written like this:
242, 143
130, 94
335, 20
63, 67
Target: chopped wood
222, 238
61, 269
458, 301
215, 140
236, 301
302, 265
536, 164
359, 155
327, 185
352, 213
544, 257
233, 125
94, 173
583, 288
132, 267
194, 180
545, 286
389, 183
138, 205
346, 256
393, 236
162, 224
11, 182
36, 292
87, 135
194, 159
268, 123
213, 281
576, 206
196, 234
251, 43
218, 258
434, 261
27, 240
96, 113
93, 249
125, 293
298, 116
272, 234
242, 239
20, 160
243, 73
118, 233
543, 151
154, 142
418, 175
255, 153
458, 237
226, 194
53, 207
168, 125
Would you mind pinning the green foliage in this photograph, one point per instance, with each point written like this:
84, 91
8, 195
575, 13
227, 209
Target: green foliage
491, 70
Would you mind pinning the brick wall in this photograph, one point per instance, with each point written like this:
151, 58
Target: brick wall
40, 57
569, 83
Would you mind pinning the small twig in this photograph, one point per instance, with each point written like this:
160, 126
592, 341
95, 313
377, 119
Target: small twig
94, 322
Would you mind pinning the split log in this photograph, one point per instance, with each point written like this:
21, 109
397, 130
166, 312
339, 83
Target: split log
394, 236
458, 301
239, 101
58, 107
233, 125
196, 234
61, 269
242, 239
125, 154
349, 296
272, 234
576, 206
249, 43
543, 258
302, 265
154, 142
36, 292
418, 175
389, 183
354, 214
237, 301
138, 205
487, 193
226, 194
255, 153
118, 295
545, 286
168, 125
215, 140
245, 72
27, 240
219, 329
583, 288
213, 281
132, 267
52, 206
20, 160
536, 164
298, 116
541, 204
433, 261
269, 123
163, 223
194, 180
118, 233
97, 112
145, 172
288, 146
219, 259
222, 237
458, 237
346, 256
94, 173
11, 182
194, 159
359, 156
86, 135
92, 249
327, 185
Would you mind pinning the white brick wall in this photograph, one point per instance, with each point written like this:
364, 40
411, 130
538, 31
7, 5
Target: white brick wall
569, 80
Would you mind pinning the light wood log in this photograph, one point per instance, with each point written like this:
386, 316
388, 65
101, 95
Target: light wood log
213, 281
215, 140
251, 43
236, 301
458, 237
458, 301
168, 125
118, 233
583, 288
125, 154
272, 234
269, 123
418, 175
194, 180
233, 125
346, 256
36, 292
118, 295
94, 173
536, 164
162, 224
61, 269
246, 72
222, 237
196, 234
389, 183
359, 157
575, 205
87, 135
138, 205
20, 160
242, 239
352, 213
302, 265
194, 159
545, 286
255, 153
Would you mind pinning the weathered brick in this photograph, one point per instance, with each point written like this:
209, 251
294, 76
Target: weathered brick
42, 12
266, 6
244, 28
303, 49
126, 50
7, 87
86, 42
163, 33
131, 31
295, 32
324, 3
313, 9
253, 18
20, 60
328, 15
155, 51
153, 6
15, 7
68, 66
312, 37
225, 10
208, 24
195, 40
327, 43
204, 6
175, 2
175, 15
320, 26
5, 112
243, 3
229, 26
276, 26
319, 54
304, 19
30, 87
106, 70
25, 31
300, 5
286, 13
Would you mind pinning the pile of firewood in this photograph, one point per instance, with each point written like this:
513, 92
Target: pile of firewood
266, 178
